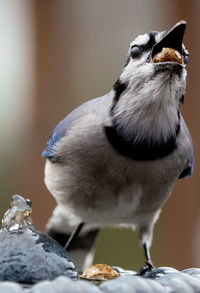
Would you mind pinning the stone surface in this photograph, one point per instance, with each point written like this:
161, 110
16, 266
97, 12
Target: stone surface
171, 281
10, 287
175, 284
193, 282
28, 256
121, 286
192, 271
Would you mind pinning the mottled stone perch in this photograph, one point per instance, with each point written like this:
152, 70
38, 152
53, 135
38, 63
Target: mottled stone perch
32, 262
162, 280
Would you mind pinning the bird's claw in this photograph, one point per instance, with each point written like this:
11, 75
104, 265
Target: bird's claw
148, 266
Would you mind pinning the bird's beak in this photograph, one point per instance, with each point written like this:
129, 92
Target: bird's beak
169, 48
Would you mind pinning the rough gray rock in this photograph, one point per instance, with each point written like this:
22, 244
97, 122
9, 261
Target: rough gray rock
29, 256
187, 281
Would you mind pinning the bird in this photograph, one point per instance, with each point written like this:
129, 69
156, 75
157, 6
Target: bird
115, 159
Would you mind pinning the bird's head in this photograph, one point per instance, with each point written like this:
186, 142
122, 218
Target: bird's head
155, 66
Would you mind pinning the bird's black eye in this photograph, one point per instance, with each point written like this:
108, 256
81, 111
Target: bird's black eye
136, 51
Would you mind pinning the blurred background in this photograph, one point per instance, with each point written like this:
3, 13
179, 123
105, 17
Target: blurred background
54, 55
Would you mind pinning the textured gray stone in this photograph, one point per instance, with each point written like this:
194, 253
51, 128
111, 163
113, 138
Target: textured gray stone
63, 285
87, 287
187, 281
175, 284
29, 256
193, 282
192, 272
114, 286
155, 286
10, 287
127, 284
139, 284
42, 287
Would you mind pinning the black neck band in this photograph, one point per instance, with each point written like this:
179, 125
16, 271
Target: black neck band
141, 150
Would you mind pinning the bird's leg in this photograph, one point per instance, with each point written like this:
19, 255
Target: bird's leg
73, 236
148, 257
148, 266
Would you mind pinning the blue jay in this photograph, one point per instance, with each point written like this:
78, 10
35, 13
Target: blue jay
114, 160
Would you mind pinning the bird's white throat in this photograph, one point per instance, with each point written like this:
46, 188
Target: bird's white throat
151, 110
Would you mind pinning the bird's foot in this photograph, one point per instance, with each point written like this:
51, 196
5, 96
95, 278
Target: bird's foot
147, 267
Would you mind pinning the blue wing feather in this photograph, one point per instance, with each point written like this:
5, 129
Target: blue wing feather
189, 170
98, 106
